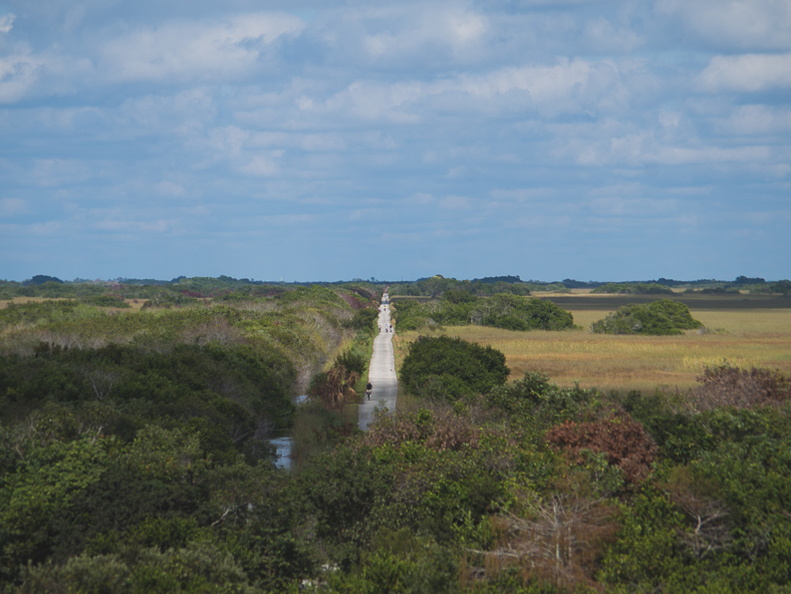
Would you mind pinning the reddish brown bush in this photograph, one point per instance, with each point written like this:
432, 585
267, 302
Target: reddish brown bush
725, 385
438, 429
625, 442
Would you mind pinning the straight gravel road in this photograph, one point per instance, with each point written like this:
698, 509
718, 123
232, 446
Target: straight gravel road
381, 372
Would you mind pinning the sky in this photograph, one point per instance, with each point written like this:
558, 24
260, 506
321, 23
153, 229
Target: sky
307, 140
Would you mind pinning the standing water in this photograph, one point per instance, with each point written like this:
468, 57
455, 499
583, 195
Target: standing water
285, 443
283, 447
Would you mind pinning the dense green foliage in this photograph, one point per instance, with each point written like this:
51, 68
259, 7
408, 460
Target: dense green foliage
661, 317
753, 285
178, 291
502, 310
451, 368
129, 463
225, 392
633, 289
133, 444
437, 286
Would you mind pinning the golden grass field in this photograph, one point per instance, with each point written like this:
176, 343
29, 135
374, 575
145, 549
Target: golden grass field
134, 304
743, 336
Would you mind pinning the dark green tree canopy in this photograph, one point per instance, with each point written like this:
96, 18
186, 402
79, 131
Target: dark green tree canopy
503, 310
661, 317
452, 368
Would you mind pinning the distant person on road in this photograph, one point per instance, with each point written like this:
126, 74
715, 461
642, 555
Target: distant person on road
368, 389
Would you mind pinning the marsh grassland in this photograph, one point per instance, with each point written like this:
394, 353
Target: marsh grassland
743, 333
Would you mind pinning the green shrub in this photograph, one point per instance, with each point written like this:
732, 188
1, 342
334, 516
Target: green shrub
352, 360
663, 317
633, 289
105, 301
452, 366
363, 319
503, 310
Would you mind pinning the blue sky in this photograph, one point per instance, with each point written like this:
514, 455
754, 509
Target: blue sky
309, 140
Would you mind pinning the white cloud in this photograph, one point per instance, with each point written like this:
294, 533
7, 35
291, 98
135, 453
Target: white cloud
289, 220
756, 24
45, 228
196, 49
456, 203
747, 73
304, 141
155, 226
750, 120
60, 172
569, 86
603, 35
170, 188
523, 194
455, 28
10, 207
674, 155
18, 73
6, 23
540, 221
262, 165
638, 148
222, 144
446, 114
374, 100
632, 207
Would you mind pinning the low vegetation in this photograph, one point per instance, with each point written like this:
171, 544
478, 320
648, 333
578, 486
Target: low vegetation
657, 318
633, 289
131, 457
503, 310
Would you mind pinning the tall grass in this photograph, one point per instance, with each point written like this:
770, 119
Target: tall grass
743, 337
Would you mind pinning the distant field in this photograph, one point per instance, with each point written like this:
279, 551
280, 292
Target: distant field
745, 332
5, 302
135, 304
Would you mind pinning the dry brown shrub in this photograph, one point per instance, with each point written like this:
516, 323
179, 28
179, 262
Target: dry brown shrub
560, 541
218, 330
437, 428
708, 529
355, 302
728, 386
623, 440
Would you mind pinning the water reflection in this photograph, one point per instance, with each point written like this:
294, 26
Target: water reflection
285, 444
283, 447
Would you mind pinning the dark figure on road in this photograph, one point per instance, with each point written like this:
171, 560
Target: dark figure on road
368, 389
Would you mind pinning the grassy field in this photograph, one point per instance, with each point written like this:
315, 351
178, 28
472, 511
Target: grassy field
743, 332
134, 304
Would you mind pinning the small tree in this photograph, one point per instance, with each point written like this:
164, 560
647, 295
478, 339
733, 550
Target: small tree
623, 440
452, 368
661, 317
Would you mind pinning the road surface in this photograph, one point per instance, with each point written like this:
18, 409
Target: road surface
381, 372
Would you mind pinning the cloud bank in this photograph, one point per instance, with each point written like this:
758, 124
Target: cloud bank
468, 138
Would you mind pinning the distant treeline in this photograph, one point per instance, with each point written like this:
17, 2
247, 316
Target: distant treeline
502, 310
177, 292
435, 286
